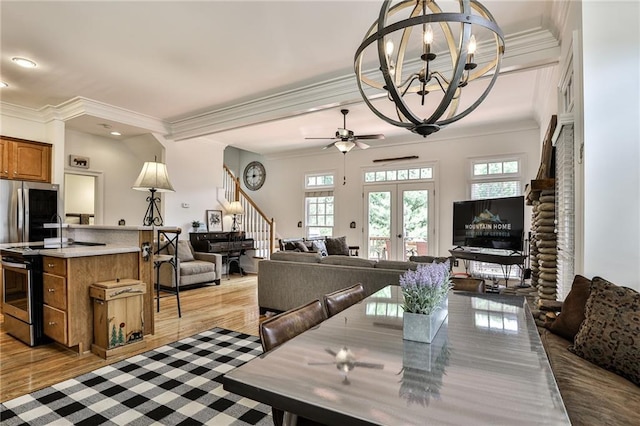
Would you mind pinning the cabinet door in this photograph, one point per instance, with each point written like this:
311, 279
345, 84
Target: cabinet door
4, 158
31, 161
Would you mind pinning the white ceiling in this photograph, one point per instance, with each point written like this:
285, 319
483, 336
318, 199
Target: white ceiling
176, 60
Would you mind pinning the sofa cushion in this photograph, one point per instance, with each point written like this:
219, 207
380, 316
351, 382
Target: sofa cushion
185, 254
568, 322
396, 264
610, 333
196, 267
591, 394
292, 256
320, 247
348, 261
337, 246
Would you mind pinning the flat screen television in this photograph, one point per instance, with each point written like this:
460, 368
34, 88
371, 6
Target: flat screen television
496, 223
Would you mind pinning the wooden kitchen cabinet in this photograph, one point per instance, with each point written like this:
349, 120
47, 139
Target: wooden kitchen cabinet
68, 309
25, 160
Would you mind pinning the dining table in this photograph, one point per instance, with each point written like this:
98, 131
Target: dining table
485, 366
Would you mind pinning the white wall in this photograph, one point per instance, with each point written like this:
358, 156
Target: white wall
282, 195
195, 171
120, 167
612, 140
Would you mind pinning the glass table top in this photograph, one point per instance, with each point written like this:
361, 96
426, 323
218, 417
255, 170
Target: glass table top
486, 365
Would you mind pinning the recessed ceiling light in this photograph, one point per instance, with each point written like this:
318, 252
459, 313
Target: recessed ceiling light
3, 84
23, 62
114, 133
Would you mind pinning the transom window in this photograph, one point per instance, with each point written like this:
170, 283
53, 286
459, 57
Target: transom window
496, 178
399, 174
320, 180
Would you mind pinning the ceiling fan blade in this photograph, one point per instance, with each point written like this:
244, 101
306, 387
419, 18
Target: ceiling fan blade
370, 136
361, 145
329, 138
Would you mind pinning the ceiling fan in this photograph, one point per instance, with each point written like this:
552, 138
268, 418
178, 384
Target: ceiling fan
346, 139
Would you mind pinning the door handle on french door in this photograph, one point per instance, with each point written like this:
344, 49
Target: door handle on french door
399, 235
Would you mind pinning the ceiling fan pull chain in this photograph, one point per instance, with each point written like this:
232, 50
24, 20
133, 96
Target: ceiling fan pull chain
344, 168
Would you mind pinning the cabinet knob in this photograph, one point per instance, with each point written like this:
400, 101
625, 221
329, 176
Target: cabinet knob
51, 290
50, 265
52, 323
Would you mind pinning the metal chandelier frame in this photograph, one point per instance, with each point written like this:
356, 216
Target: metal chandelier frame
423, 79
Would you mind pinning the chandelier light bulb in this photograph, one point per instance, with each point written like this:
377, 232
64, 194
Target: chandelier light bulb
472, 45
389, 47
428, 35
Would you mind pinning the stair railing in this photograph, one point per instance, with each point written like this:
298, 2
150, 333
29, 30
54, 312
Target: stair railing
254, 222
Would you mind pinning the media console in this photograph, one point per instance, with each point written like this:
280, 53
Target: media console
506, 261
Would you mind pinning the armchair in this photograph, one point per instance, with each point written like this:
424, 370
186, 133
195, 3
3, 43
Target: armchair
194, 268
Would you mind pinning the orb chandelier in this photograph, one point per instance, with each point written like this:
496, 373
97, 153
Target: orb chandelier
427, 57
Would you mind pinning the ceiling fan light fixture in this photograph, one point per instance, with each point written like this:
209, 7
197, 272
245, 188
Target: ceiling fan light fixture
427, 56
344, 146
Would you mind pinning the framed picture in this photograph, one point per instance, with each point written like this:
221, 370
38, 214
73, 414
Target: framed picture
214, 220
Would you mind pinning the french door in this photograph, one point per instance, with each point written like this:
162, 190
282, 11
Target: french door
399, 220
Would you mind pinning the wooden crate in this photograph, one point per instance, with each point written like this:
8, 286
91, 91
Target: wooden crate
118, 324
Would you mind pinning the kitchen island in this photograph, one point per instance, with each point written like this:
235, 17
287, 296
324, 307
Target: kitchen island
69, 272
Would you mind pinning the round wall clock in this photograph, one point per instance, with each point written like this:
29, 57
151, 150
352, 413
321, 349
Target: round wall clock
254, 175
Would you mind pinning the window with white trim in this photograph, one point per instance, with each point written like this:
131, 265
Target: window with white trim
399, 174
495, 177
319, 204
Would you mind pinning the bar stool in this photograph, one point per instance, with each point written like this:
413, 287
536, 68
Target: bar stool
167, 243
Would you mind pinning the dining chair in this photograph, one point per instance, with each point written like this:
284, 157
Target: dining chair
340, 300
278, 329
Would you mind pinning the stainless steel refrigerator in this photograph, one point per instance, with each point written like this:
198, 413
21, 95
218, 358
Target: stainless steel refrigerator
24, 209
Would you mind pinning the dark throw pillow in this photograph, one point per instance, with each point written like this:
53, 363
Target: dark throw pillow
568, 322
610, 333
320, 247
337, 246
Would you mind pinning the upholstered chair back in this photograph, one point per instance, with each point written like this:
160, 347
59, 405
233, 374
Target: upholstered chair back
278, 329
340, 300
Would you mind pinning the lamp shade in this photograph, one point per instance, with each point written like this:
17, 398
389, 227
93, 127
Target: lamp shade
235, 208
153, 176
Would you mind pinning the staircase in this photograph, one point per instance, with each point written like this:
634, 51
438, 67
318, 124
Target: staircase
254, 222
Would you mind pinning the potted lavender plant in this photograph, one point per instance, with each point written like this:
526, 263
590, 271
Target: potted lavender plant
425, 292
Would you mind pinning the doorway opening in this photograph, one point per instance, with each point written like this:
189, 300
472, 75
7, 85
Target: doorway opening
83, 197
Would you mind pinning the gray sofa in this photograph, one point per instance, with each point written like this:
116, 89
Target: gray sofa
291, 279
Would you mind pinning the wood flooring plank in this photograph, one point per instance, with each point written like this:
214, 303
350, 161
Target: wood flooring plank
232, 305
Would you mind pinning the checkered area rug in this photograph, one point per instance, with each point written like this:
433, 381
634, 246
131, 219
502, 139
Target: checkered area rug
176, 384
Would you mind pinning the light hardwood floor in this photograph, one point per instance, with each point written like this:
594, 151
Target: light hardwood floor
232, 305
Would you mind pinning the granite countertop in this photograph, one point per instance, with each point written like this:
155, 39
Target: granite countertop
72, 251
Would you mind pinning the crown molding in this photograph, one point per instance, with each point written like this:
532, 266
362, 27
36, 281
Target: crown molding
17, 111
536, 47
79, 106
